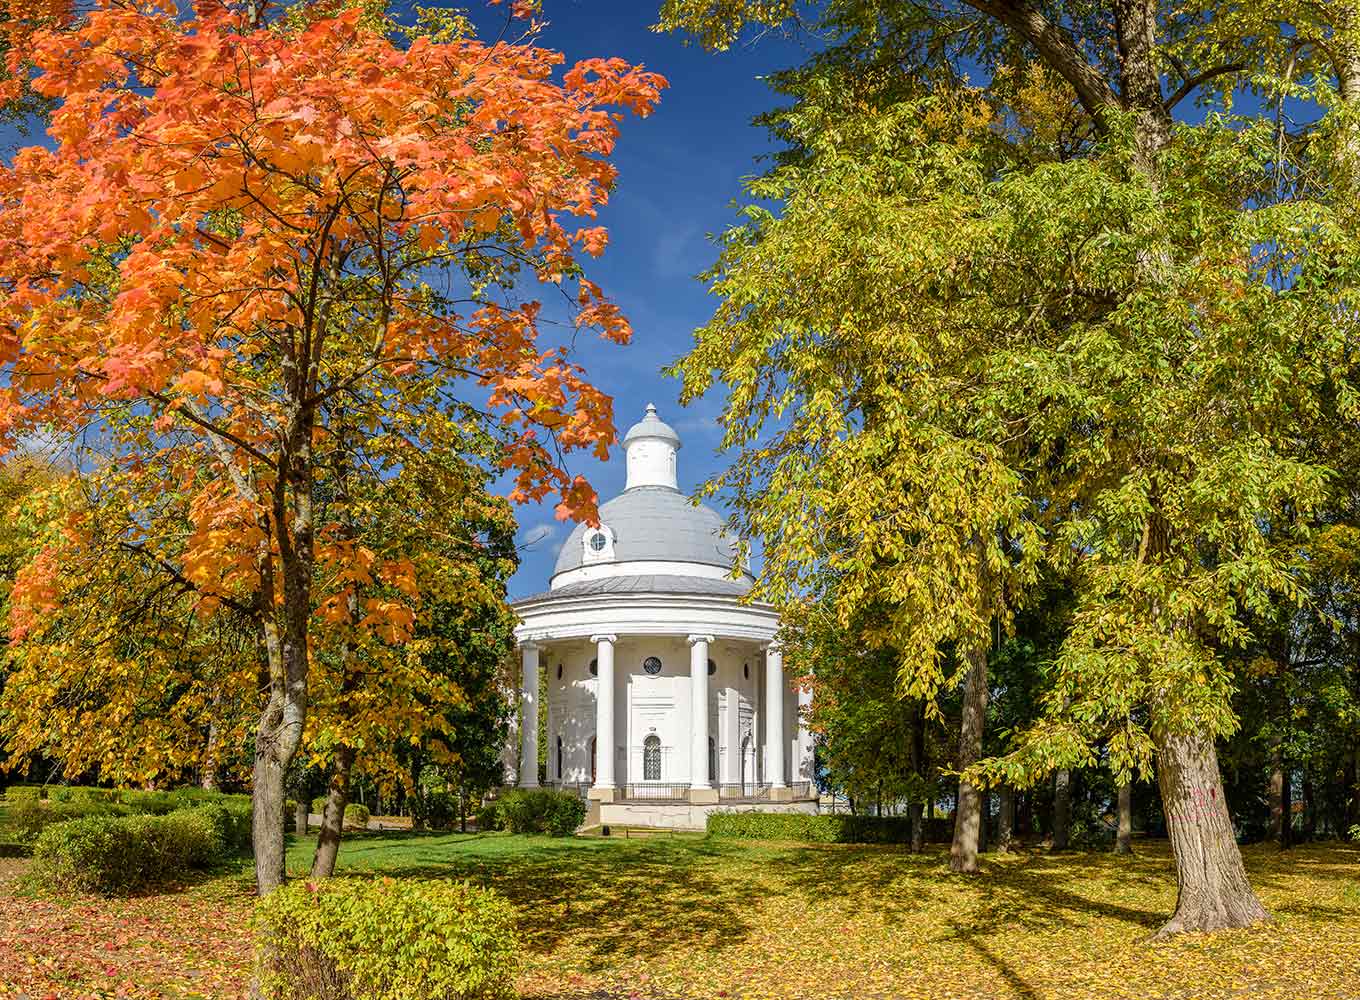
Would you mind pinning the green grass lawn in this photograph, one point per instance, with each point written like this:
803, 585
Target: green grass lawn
690, 917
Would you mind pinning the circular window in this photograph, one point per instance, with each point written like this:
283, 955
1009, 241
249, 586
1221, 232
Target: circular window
712, 668
652, 665
559, 671
598, 541
594, 668
746, 671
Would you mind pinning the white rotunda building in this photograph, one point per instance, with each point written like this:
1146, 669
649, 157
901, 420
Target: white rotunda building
665, 690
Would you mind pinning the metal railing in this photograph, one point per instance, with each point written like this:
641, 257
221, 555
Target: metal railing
750, 791
657, 791
803, 790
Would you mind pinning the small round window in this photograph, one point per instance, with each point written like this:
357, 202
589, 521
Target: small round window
712, 668
746, 671
594, 668
598, 541
652, 665
559, 671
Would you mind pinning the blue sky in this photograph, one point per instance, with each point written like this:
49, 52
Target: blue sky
680, 172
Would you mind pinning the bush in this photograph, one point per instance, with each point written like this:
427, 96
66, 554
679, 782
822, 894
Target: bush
359, 939
488, 817
231, 821
541, 810
23, 793
356, 815
838, 829
27, 818
118, 854
319, 804
151, 803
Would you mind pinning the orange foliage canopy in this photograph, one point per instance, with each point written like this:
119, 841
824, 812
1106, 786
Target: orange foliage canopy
237, 224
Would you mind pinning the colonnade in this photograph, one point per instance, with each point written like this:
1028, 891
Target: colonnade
606, 784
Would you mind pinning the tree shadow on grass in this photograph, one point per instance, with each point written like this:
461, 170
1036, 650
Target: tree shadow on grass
618, 901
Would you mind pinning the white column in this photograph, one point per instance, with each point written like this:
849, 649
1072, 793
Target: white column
805, 768
604, 710
730, 760
698, 676
528, 699
774, 716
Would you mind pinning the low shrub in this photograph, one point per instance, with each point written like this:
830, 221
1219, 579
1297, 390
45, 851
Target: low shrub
319, 804
488, 817
151, 803
356, 815
541, 810
822, 829
361, 939
119, 854
25, 819
23, 793
232, 822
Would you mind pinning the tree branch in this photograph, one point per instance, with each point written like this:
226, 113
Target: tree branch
1191, 82
1056, 47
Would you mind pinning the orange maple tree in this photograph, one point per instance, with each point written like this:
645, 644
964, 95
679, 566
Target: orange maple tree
253, 218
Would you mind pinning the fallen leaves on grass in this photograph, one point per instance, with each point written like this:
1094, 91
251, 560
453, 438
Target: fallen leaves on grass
189, 944
691, 918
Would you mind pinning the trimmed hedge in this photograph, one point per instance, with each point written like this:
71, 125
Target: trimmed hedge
362, 939
356, 815
540, 810
120, 854
27, 815
26, 819
819, 829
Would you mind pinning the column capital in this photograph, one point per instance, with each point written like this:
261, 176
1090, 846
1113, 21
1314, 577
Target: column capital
527, 644
773, 646
604, 638
698, 638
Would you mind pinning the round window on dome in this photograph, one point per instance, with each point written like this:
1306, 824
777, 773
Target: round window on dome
598, 541
652, 665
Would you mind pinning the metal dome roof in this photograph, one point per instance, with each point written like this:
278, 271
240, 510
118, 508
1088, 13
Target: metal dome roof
652, 426
655, 523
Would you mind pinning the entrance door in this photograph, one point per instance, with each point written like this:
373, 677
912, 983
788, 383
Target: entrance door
747, 776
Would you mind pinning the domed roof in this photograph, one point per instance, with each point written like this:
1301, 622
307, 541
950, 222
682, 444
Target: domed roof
655, 523
652, 426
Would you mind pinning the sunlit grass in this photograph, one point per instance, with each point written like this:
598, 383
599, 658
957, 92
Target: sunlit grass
690, 917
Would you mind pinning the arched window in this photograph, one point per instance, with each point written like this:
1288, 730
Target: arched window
651, 758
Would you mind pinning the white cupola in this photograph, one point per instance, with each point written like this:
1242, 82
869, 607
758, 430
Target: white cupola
651, 445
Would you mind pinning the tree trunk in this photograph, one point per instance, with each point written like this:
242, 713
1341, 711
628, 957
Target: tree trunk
984, 820
1062, 809
1279, 803
963, 852
1214, 891
277, 737
917, 758
301, 814
1005, 820
208, 779
1123, 843
1309, 809
333, 815
1355, 789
